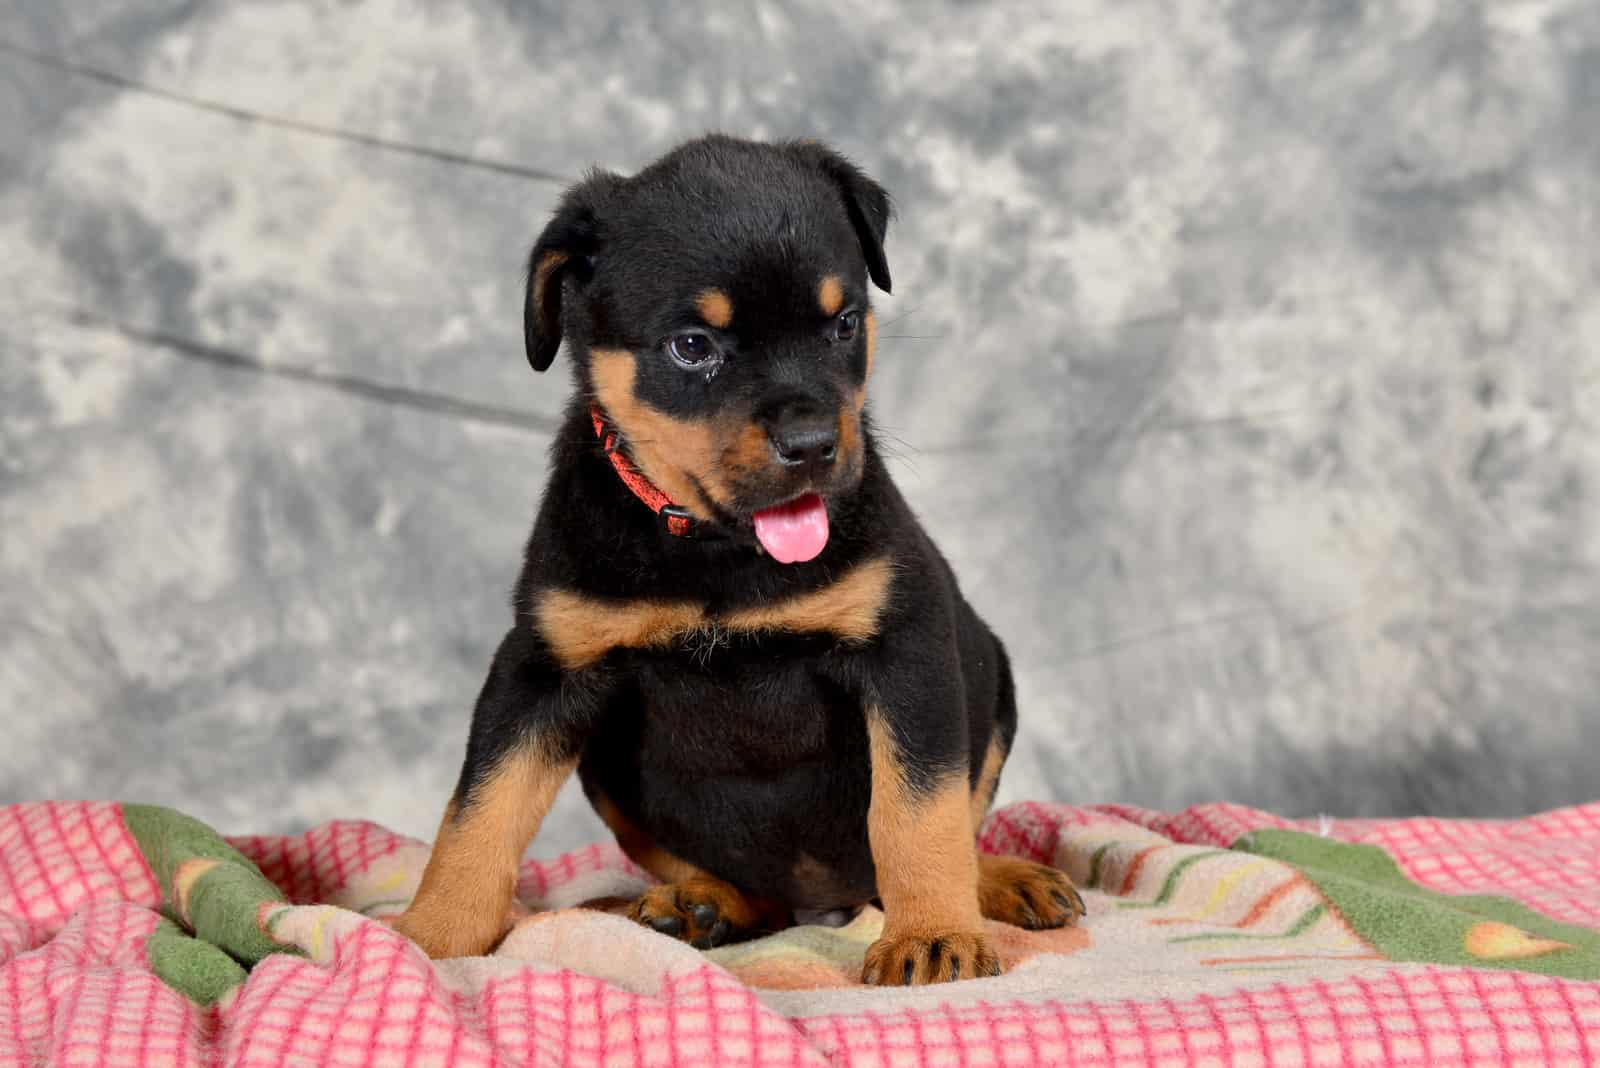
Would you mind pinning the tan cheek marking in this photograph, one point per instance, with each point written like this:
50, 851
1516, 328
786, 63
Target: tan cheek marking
849, 432
988, 779
849, 608
922, 846
462, 906
652, 436
750, 451
715, 307
872, 347
581, 630
830, 295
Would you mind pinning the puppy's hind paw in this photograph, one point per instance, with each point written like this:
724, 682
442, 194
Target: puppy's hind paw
703, 911
1027, 894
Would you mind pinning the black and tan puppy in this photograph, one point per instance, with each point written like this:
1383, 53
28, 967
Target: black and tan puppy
728, 620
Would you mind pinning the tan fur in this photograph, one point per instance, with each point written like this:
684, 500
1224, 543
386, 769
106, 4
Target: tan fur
679, 899
683, 884
462, 907
850, 429
653, 436
1026, 894
547, 265
850, 608
750, 452
941, 958
581, 630
872, 344
715, 307
922, 846
642, 849
830, 295
988, 779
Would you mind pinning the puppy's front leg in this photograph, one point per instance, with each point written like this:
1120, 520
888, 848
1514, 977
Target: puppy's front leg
919, 825
526, 737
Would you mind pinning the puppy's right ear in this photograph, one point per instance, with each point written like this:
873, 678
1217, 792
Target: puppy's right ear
565, 251
864, 199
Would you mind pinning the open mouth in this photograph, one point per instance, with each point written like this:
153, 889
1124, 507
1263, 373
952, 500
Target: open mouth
794, 532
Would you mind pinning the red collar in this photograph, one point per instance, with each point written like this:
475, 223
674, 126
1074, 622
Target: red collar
674, 516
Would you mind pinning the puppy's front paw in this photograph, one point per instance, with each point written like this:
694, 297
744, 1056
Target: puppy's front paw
703, 912
916, 960
1021, 892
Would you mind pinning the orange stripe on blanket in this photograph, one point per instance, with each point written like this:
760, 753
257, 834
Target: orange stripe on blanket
1270, 958
1273, 896
1133, 869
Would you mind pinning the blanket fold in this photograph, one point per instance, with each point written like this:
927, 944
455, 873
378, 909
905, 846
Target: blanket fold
135, 935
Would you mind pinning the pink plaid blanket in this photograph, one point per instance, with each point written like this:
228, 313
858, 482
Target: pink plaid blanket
1219, 935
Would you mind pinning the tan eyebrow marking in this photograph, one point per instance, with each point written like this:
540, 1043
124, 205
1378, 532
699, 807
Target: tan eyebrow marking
830, 295
715, 307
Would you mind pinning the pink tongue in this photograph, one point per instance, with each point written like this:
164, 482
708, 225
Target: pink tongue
794, 532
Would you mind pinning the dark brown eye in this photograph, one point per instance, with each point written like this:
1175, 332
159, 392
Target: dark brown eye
845, 327
692, 349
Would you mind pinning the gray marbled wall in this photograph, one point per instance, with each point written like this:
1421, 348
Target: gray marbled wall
1244, 360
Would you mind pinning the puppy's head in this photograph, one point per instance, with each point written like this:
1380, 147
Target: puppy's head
716, 305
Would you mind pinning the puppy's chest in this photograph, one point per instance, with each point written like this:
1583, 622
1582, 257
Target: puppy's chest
582, 630
748, 705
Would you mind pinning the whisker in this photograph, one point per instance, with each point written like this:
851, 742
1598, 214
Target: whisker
903, 315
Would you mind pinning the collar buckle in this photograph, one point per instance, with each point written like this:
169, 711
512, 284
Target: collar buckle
678, 521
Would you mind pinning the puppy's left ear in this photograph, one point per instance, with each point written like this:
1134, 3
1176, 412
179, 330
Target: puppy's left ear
864, 199
565, 251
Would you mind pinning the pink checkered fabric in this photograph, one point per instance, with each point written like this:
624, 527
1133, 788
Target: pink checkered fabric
76, 986
1429, 1016
539, 879
312, 865
381, 1003
56, 858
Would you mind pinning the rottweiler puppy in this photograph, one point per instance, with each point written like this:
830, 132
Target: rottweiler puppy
728, 621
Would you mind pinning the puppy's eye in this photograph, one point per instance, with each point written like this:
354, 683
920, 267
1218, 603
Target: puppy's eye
845, 327
691, 350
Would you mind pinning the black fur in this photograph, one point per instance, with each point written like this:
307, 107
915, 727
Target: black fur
745, 756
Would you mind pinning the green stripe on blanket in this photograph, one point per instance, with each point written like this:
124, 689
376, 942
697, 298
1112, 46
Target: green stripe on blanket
211, 889
1407, 922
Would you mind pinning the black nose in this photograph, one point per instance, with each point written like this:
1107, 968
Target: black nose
805, 442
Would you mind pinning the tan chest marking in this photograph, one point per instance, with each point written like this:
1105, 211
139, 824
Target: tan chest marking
581, 630
850, 608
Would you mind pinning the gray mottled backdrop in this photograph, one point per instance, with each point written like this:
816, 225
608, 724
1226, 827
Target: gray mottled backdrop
1244, 360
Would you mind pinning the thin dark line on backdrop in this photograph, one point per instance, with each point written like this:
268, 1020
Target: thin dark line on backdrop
281, 122
896, 447
1079, 438
351, 385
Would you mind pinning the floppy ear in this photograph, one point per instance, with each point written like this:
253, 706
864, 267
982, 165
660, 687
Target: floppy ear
565, 250
864, 199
